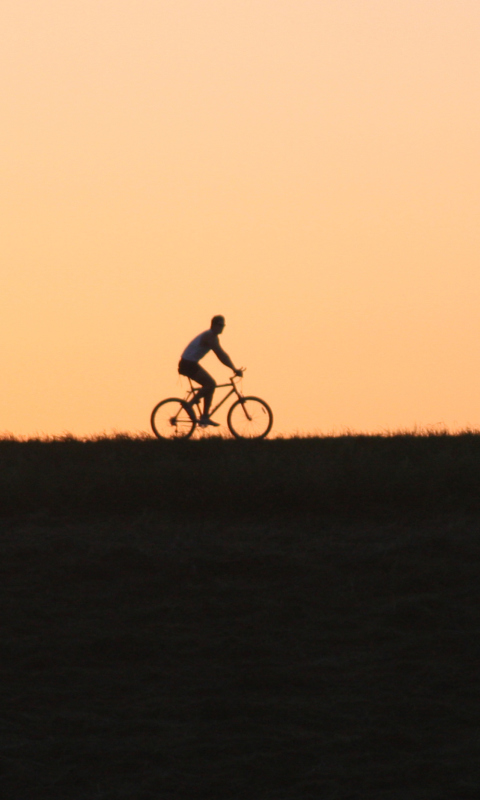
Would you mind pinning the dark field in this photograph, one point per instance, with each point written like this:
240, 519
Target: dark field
285, 619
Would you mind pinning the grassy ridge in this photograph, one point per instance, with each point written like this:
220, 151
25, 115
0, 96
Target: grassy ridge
282, 620
348, 474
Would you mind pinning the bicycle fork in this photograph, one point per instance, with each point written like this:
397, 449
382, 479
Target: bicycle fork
242, 400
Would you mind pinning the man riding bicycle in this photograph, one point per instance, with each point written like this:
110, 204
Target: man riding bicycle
189, 366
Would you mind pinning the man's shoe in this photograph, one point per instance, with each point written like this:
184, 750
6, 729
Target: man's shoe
204, 421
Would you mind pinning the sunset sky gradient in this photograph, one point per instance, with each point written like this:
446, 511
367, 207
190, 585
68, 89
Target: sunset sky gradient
308, 168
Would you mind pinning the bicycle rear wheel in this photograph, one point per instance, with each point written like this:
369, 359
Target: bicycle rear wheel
170, 419
250, 418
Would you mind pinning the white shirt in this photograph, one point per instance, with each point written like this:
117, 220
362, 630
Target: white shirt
196, 349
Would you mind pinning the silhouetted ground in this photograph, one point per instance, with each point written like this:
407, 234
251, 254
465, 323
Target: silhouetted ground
218, 478
261, 643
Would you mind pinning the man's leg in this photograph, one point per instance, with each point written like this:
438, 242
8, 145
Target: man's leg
208, 387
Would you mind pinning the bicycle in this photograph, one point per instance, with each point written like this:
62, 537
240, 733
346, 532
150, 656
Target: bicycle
247, 418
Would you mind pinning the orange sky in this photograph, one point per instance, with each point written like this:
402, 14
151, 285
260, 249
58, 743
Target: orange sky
309, 168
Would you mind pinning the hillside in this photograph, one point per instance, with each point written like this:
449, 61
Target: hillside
284, 620
216, 477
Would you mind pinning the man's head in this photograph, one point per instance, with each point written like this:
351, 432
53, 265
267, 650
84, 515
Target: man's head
218, 323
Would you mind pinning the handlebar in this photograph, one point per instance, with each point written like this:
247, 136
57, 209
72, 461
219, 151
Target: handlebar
232, 377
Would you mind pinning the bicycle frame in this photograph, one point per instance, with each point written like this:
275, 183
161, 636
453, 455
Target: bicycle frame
190, 398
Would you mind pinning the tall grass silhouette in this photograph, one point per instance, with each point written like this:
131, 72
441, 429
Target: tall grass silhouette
219, 477
217, 619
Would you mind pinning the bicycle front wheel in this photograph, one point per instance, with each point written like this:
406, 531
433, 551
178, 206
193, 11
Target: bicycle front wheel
170, 419
250, 418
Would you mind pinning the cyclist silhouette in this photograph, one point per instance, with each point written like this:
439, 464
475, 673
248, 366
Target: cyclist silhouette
189, 366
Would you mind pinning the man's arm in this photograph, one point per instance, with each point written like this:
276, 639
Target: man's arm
223, 356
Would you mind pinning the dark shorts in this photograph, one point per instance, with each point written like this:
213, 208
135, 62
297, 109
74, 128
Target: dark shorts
188, 368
